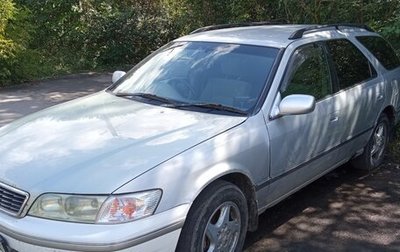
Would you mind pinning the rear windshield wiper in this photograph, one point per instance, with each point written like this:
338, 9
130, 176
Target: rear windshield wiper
147, 96
212, 106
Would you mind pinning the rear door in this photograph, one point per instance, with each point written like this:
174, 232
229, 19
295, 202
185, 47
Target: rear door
360, 93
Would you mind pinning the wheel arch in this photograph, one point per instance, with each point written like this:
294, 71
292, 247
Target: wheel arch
243, 182
246, 186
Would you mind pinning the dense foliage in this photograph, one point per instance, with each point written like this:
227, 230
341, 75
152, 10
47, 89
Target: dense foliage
47, 37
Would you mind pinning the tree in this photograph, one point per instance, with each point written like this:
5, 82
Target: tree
74, 35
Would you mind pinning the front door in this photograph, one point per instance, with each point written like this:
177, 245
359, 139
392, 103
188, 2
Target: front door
299, 142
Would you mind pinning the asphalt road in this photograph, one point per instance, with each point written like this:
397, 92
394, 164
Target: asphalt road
21, 100
346, 210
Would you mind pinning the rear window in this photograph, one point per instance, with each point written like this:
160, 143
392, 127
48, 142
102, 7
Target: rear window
381, 50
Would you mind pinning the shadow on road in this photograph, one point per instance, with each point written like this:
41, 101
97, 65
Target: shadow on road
346, 210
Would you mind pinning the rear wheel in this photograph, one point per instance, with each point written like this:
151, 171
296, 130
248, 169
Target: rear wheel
374, 152
217, 220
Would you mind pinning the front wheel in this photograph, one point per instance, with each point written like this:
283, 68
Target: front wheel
374, 152
217, 220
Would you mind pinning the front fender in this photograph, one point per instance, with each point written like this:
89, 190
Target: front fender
242, 149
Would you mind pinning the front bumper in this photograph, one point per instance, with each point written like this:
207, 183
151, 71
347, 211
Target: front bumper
159, 232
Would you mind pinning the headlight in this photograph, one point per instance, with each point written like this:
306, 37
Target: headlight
76, 208
96, 209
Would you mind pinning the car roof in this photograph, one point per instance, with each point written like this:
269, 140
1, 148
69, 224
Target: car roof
279, 36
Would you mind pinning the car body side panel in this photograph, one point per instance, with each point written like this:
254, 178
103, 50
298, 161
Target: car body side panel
341, 125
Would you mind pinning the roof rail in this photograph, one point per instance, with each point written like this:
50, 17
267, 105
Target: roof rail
223, 26
299, 33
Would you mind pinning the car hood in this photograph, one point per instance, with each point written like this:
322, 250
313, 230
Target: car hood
97, 143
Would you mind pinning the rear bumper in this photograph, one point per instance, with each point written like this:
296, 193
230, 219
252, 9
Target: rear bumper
159, 232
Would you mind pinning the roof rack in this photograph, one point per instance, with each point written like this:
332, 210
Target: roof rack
299, 33
223, 26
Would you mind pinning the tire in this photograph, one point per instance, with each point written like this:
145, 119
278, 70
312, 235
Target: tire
374, 152
206, 229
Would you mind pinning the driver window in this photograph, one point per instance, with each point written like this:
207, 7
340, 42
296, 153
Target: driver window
308, 73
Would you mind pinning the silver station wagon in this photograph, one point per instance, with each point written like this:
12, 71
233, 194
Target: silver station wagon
184, 151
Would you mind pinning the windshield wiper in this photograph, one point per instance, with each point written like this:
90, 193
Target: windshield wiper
211, 106
147, 96
175, 104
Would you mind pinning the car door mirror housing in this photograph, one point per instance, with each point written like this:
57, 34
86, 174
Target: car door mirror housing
297, 104
117, 75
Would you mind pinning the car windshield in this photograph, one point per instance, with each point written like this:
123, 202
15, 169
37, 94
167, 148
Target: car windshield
193, 75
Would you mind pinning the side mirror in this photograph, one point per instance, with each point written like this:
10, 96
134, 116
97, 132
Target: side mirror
297, 105
117, 75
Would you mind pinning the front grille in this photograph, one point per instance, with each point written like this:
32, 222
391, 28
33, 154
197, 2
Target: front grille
12, 200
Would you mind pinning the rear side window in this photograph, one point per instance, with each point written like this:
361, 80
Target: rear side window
351, 65
381, 50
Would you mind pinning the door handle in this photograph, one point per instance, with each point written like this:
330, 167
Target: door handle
334, 119
380, 97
